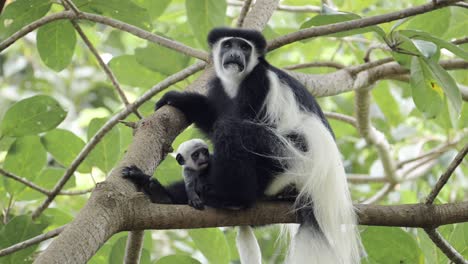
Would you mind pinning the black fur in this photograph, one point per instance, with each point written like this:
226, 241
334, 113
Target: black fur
243, 165
251, 35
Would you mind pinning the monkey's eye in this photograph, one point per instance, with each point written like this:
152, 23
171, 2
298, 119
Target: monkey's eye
245, 47
227, 44
204, 152
195, 155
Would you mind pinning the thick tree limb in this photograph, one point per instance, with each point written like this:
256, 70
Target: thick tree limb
286, 8
358, 23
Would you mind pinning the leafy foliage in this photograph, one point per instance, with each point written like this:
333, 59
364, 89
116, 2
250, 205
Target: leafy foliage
49, 113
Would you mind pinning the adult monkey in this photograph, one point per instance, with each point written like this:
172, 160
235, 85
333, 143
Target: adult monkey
269, 133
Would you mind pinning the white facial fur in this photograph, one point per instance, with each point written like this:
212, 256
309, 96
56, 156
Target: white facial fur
231, 78
187, 148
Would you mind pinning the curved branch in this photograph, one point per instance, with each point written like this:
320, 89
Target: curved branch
445, 246
110, 124
245, 8
446, 175
171, 44
329, 64
354, 24
32, 241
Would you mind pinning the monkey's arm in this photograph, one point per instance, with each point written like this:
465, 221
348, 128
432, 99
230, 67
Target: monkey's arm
197, 108
174, 193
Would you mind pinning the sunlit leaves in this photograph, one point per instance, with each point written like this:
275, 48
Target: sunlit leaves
22, 12
155, 8
177, 259
435, 22
427, 93
25, 158
203, 15
390, 245
31, 116
126, 11
17, 230
130, 72
161, 59
64, 147
205, 239
107, 151
56, 43
335, 17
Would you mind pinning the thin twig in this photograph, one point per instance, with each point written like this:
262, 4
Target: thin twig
460, 41
354, 24
38, 188
386, 189
445, 246
31, 241
245, 8
362, 178
181, 75
69, 5
373, 47
461, 4
446, 175
171, 44
329, 64
341, 117
438, 150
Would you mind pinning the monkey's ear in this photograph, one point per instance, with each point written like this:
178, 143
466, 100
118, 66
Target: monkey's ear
180, 159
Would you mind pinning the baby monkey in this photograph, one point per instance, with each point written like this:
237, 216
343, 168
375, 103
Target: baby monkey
194, 157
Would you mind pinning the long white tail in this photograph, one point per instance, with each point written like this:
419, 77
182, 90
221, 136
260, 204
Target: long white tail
321, 179
247, 245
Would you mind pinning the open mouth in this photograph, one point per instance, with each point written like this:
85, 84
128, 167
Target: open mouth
232, 64
203, 164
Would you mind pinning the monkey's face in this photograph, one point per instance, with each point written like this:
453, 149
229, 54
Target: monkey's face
200, 158
234, 57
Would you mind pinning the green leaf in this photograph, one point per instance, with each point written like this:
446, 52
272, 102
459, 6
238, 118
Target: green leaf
447, 83
21, 13
426, 48
31, 116
155, 8
415, 34
427, 93
47, 179
387, 103
161, 59
17, 230
177, 259
125, 11
25, 158
390, 245
117, 253
435, 22
203, 15
64, 146
107, 151
129, 71
205, 239
326, 19
56, 44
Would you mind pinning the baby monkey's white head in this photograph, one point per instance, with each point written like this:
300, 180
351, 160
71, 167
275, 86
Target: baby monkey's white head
193, 154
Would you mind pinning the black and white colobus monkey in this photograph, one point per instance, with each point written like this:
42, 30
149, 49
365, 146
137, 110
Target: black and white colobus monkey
269, 133
194, 157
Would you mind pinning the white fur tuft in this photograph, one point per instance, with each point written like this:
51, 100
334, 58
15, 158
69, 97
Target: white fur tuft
249, 250
320, 177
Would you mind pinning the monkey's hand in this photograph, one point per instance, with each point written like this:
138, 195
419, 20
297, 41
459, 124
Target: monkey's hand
196, 202
173, 98
135, 175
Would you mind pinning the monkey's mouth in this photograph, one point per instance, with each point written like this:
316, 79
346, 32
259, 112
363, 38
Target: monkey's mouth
203, 165
233, 64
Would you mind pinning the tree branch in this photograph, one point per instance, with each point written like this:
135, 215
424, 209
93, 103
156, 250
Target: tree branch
133, 247
32, 241
260, 14
171, 44
448, 250
245, 8
177, 77
354, 24
446, 175
38, 188
329, 64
